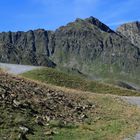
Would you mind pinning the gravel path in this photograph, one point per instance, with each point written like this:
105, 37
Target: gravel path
133, 101
17, 69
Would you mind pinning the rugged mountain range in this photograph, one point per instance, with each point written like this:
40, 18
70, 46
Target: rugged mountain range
88, 46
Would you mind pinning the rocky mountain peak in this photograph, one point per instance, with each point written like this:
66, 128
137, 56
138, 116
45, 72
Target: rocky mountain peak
94, 21
91, 22
131, 31
99, 24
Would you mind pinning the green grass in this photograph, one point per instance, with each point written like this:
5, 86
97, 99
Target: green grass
110, 118
113, 120
112, 73
55, 77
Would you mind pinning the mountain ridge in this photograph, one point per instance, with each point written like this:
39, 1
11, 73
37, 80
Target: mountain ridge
87, 45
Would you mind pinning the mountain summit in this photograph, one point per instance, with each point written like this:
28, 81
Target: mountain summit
99, 24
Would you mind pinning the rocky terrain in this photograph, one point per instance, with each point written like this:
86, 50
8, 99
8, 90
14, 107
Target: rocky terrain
32, 110
26, 105
88, 46
53, 104
131, 31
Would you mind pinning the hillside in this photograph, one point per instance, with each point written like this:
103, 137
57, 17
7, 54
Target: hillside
86, 45
31, 110
58, 78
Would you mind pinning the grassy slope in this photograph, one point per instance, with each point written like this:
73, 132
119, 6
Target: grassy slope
52, 76
113, 120
110, 117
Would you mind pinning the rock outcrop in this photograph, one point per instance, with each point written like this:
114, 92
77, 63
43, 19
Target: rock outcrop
131, 31
30, 47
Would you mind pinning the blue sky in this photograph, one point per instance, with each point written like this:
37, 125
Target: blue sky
50, 14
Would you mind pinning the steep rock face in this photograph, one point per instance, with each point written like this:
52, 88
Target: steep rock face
131, 31
30, 47
92, 47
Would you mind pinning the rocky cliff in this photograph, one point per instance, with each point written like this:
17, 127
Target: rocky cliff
30, 47
131, 31
88, 46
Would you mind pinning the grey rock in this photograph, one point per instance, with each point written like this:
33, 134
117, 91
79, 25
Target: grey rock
24, 129
93, 48
131, 31
25, 48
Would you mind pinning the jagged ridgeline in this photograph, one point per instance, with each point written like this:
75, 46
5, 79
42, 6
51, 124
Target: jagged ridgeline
88, 46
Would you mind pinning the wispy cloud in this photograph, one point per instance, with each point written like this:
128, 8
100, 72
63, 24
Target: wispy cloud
120, 9
120, 12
